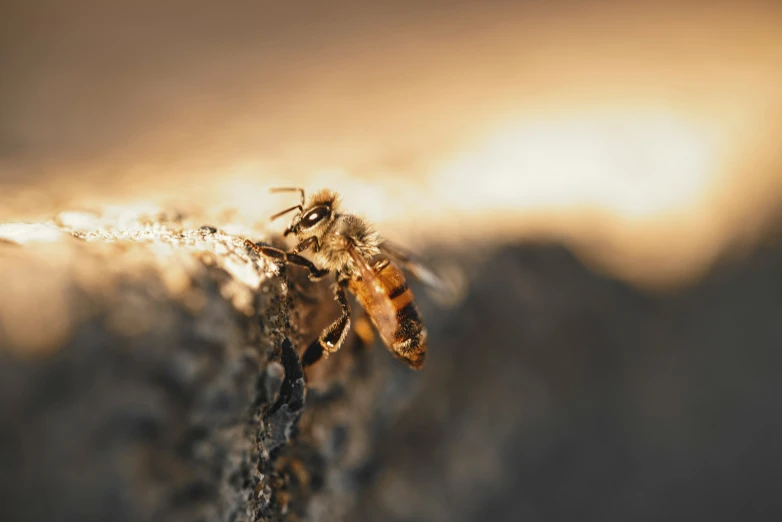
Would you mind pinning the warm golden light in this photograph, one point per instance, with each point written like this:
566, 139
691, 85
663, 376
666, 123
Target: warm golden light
644, 134
637, 164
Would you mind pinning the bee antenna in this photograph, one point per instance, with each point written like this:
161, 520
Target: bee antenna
290, 189
278, 214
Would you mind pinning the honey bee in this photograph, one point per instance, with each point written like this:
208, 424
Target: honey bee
363, 263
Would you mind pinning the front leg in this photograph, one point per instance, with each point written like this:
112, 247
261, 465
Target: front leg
332, 337
311, 241
287, 257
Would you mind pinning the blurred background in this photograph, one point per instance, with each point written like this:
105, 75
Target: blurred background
644, 132
609, 171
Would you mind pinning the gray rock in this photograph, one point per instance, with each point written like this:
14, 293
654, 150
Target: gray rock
149, 370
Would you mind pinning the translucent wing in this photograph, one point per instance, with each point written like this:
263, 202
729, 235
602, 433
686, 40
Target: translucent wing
408, 261
371, 293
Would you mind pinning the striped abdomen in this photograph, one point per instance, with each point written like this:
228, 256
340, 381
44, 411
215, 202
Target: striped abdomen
391, 306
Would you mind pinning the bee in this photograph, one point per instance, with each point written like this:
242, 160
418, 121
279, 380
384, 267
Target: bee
364, 264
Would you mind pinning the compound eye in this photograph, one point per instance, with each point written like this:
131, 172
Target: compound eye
313, 217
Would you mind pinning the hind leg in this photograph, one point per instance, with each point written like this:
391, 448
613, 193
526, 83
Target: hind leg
334, 335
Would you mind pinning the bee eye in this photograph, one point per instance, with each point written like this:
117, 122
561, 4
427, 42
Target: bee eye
313, 216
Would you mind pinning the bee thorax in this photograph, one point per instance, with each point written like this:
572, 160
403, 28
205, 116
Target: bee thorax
347, 233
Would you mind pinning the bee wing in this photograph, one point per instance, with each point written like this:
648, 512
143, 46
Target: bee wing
382, 310
411, 263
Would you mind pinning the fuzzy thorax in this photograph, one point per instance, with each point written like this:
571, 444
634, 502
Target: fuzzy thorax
346, 232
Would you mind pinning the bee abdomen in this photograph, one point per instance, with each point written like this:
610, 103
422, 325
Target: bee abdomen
410, 336
413, 350
399, 291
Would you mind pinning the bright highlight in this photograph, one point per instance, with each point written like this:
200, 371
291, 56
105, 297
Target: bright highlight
638, 165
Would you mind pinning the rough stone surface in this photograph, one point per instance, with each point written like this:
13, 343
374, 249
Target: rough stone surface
149, 371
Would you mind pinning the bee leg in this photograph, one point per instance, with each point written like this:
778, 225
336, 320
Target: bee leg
310, 242
287, 257
312, 354
334, 335
315, 272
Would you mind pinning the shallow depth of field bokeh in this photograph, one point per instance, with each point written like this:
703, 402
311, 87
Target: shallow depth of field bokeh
644, 134
606, 174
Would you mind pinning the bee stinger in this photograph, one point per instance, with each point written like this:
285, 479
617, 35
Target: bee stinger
364, 264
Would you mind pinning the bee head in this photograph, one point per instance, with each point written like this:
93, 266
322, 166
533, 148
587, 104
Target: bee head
313, 218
